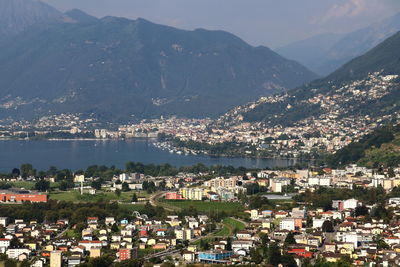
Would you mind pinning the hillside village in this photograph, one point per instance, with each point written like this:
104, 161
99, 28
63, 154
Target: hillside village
320, 182
298, 215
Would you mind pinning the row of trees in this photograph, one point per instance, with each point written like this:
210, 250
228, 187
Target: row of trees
76, 212
106, 173
322, 197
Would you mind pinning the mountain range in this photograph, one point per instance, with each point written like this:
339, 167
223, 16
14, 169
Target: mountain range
366, 88
120, 69
18, 15
325, 53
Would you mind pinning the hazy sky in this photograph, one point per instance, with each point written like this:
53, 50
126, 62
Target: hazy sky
260, 22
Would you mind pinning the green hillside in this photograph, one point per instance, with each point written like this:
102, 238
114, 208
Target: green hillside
380, 147
364, 73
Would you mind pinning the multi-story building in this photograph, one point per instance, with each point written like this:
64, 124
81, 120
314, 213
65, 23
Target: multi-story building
124, 254
192, 193
56, 258
215, 256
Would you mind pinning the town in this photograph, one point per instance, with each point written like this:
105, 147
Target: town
161, 216
230, 135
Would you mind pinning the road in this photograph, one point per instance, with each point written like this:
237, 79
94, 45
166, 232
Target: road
163, 253
154, 201
62, 233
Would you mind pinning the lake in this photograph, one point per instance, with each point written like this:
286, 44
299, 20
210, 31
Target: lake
78, 154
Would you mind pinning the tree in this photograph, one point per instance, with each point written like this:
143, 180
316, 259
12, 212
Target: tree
118, 193
204, 245
289, 240
42, 185
327, 227
103, 261
114, 228
380, 212
274, 254
27, 170
255, 256
229, 244
361, 211
162, 185
130, 263
16, 172
125, 187
288, 260
96, 184
65, 185
257, 202
391, 173
380, 242
52, 171
167, 264
264, 239
134, 198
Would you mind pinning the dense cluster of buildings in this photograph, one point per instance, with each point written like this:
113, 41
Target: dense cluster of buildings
334, 234
333, 129
217, 189
50, 244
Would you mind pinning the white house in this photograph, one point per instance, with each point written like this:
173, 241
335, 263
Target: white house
242, 244
3, 221
14, 253
287, 224
317, 223
4, 244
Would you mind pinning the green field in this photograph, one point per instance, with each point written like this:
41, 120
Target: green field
203, 206
235, 223
207, 239
230, 225
132, 207
29, 185
75, 196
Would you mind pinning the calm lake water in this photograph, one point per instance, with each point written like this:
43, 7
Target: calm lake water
78, 154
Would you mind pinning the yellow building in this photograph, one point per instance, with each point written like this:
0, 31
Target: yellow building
32, 246
192, 193
49, 248
114, 245
79, 178
192, 248
55, 258
95, 252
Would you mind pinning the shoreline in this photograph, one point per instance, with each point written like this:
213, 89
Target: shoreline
148, 139
75, 139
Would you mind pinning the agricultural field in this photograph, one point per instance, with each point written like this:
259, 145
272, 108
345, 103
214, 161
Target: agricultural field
204, 206
75, 196
29, 185
230, 226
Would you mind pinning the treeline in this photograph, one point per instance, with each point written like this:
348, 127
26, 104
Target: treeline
357, 150
106, 173
225, 148
322, 197
56, 135
77, 213
65, 177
